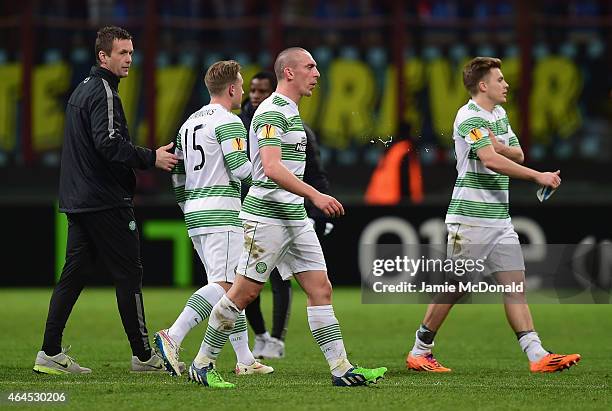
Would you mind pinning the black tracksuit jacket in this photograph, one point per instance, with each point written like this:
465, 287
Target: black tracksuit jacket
98, 157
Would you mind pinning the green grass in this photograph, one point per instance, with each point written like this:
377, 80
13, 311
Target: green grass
489, 370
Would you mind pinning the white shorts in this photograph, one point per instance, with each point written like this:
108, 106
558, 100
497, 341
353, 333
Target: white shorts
219, 253
291, 249
498, 246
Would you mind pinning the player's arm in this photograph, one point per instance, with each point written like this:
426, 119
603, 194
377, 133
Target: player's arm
276, 171
178, 174
512, 152
232, 139
502, 165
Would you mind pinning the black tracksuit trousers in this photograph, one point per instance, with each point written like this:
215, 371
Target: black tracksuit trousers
109, 237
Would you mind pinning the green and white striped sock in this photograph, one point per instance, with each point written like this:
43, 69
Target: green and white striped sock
240, 341
326, 331
196, 310
220, 325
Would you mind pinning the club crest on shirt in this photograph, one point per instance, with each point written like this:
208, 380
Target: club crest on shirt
475, 135
261, 267
267, 131
238, 144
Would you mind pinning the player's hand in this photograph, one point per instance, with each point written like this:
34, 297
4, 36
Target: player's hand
164, 159
328, 204
549, 179
497, 146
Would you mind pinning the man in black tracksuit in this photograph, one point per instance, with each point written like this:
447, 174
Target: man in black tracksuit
97, 183
272, 346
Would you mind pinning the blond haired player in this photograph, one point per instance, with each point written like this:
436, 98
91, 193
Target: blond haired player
213, 162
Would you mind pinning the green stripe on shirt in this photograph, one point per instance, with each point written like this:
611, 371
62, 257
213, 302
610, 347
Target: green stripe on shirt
212, 218
235, 159
479, 209
295, 123
289, 152
179, 168
273, 118
480, 143
279, 101
273, 209
483, 181
213, 191
273, 141
230, 131
497, 127
179, 194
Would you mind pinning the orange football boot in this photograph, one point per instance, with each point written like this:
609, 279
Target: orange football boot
424, 363
554, 362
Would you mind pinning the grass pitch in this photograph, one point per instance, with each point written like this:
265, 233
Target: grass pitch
489, 370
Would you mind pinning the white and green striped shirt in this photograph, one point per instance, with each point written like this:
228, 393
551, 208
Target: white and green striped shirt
480, 196
211, 148
276, 123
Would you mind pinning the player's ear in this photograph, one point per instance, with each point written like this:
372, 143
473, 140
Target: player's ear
232, 90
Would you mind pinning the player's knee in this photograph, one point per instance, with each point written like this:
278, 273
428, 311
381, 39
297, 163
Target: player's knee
130, 277
326, 290
515, 298
322, 294
247, 296
224, 315
448, 297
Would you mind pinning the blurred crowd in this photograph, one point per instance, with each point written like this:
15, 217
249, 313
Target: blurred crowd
194, 33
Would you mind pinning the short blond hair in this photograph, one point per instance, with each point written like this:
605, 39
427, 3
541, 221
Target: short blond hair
220, 75
477, 69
